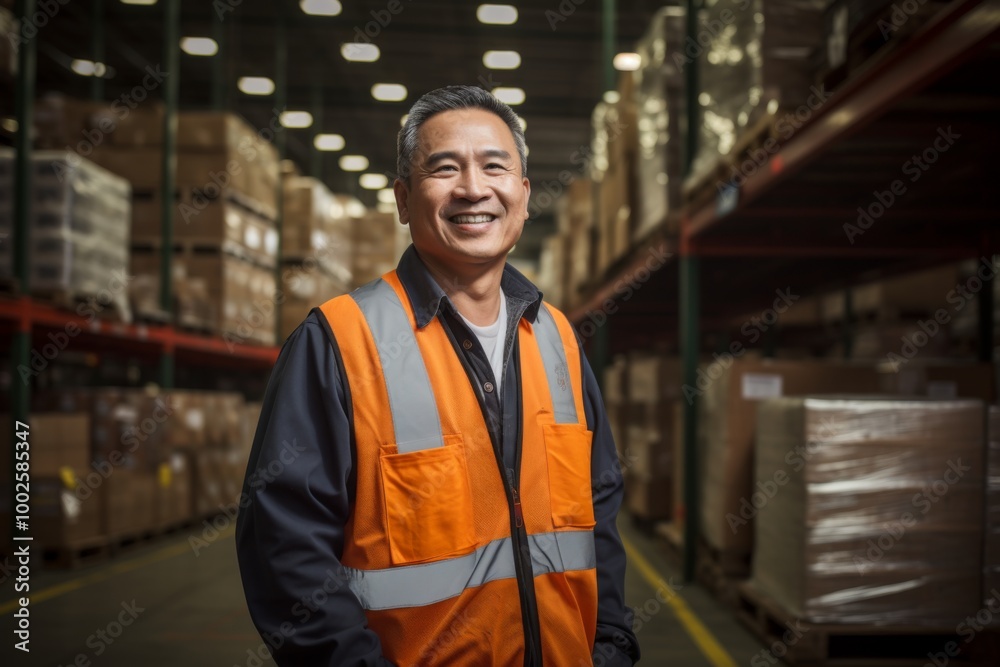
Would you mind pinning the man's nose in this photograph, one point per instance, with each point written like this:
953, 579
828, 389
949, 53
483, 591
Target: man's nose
472, 186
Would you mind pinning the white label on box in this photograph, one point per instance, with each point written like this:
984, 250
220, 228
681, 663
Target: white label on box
757, 386
942, 390
251, 237
70, 504
271, 241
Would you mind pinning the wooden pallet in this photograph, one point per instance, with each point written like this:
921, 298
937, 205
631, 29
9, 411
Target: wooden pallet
115, 311
720, 571
192, 247
76, 555
854, 645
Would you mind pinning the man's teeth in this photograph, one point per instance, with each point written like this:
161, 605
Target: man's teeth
471, 219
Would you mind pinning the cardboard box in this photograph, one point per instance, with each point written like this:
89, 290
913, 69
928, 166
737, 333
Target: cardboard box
867, 508
938, 380
172, 495
60, 518
57, 441
727, 422
128, 504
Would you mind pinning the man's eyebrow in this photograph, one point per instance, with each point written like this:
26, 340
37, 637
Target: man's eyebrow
452, 155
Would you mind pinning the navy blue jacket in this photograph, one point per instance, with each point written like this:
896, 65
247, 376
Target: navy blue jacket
300, 485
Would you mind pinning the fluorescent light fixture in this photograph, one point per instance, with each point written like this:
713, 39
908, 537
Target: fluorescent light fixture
497, 14
88, 68
353, 162
386, 196
9, 124
509, 95
627, 62
389, 92
321, 7
524, 124
295, 119
255, 85
674, 11
355, 209
373, 181
359, 52
144, 3
403, 118
199, 46
328, 142
612, 96
502, 59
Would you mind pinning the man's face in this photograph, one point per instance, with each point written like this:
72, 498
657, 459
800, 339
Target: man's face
467, 199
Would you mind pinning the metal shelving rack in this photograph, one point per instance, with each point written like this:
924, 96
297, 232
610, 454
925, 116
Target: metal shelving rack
785, 224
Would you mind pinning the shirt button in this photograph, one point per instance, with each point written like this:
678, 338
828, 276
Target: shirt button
467, 344
488, 387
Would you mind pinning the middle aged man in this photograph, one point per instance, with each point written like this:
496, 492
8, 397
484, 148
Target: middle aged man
448, 486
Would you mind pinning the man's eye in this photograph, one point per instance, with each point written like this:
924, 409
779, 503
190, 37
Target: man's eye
495, 165
446, 166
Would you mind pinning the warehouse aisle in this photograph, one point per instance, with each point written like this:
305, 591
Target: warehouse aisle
164, 605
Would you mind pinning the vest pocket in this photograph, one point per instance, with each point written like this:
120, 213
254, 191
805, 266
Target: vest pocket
428, 502
567, 452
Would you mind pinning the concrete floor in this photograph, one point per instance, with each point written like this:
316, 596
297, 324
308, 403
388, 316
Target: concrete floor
189, 611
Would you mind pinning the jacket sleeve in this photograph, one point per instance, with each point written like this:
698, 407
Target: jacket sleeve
615, 644
295, 502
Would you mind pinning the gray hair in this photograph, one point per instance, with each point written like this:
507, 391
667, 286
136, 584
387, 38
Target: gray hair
447, 99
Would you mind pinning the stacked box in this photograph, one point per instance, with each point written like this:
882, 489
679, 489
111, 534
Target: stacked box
240, 294
660, 109
729, 391
991, 540
654, 384
373, 246
758, 61
553, 274
316, 225
61, 517
877, 515
59, 440
614, 142
938, 380
79, 221
128, 503
173, 493
575, 221
304, 288
9, 33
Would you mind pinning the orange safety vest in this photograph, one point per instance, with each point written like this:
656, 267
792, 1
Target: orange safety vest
429, 550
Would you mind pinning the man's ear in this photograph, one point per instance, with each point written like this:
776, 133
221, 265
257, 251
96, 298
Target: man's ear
402, 204
527, 196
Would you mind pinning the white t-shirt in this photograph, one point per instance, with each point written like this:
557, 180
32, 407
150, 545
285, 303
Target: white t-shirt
492, 337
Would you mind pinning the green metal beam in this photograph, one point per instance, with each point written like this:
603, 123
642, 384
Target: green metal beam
219, 83
689, 315
97, 50
608, 43
848, 330
24, 98
986, 317
171, 85
315, 155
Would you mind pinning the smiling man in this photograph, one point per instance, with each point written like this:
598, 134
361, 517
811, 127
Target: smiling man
455, 503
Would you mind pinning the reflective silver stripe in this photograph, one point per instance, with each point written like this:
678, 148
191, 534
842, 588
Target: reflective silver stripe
415, 417
556, 369
425, 584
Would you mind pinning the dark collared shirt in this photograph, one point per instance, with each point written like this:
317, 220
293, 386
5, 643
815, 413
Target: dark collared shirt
300, 485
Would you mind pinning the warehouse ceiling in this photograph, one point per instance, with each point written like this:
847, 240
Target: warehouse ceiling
424, 45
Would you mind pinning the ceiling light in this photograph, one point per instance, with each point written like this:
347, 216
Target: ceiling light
359, 52
321, 7
627, 62
355, 209
145, 3
403, 118
509, 95
353, 162
328, 142
497, 14
612, 96
373, 181
389, 92
386, 196
295, 119
502, 59
524, 124
9, 124
88, 68
199, 46
255, 85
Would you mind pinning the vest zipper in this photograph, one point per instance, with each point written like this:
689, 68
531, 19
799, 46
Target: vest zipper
519, 537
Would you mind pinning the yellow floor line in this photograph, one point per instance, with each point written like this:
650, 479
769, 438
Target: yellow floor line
708, 644
79, 582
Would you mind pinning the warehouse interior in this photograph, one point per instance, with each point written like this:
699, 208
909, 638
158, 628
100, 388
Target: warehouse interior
771, 223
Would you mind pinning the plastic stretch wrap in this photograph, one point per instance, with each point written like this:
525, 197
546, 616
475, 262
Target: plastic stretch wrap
870, 510
757, 59
660, 109
991, 560
79, 221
